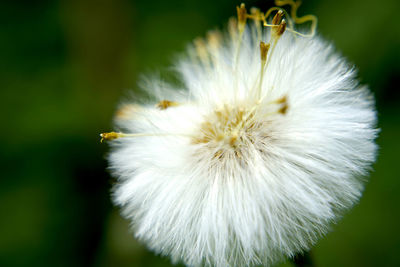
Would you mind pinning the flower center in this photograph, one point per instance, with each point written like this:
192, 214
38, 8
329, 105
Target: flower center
225, 126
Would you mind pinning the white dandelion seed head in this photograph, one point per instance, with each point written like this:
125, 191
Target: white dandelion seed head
254, 159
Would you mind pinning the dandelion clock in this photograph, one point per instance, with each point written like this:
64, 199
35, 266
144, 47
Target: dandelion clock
260, 149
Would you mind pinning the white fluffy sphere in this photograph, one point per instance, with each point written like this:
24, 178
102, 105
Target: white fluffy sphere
248, 163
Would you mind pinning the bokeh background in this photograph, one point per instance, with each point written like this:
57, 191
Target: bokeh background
66, 64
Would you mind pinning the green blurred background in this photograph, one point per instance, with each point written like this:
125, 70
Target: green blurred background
66, 64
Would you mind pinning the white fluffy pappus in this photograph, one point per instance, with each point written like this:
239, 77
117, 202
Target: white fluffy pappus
254, 159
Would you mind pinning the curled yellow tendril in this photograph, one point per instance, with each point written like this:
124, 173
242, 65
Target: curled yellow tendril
292, 18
